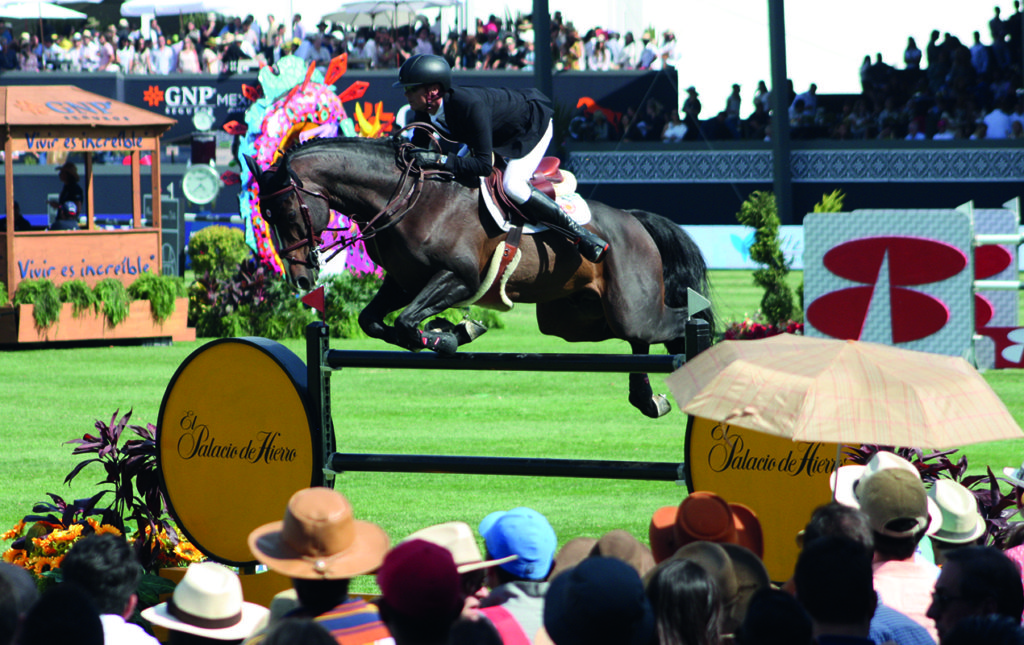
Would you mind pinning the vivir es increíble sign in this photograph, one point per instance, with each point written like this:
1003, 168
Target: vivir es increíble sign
234, 441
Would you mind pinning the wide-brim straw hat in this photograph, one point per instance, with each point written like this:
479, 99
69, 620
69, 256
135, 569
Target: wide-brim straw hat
319, 539
208, 602
458, 538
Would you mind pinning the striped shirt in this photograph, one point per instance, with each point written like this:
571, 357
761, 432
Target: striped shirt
354, 622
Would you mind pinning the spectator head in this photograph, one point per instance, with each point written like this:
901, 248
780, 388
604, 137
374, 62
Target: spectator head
990, 630
572, 553
846, 481
319, 539
622, 545
68, 171
834, 583
458, 539
105, 567
775, 618
208, 603
976, 581
63, 613
714, 559
522, 532
686, 603
838, 520
962, 523
897, 508
421, 592
703, 516
751, 577
600, 601
20, 584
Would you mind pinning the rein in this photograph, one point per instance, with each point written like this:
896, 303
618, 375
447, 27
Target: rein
405, 196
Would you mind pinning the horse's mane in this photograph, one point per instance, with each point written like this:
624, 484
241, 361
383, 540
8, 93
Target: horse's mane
370, 146
338, 142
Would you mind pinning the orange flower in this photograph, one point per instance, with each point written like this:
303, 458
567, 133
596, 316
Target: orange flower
16, 532
106, 528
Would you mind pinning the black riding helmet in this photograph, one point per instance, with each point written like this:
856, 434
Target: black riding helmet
423, 69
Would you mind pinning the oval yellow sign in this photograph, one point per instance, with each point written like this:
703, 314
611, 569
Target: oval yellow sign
783, 481
234, 441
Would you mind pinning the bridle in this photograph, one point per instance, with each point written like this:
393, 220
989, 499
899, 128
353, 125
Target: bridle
404, 197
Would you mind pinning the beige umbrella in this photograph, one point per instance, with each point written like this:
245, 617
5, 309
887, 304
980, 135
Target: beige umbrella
842, 391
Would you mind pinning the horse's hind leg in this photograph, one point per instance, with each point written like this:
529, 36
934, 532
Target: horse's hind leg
441, 292
641, 396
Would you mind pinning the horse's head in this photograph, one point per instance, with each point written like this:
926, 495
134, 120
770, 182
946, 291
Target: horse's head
297, 215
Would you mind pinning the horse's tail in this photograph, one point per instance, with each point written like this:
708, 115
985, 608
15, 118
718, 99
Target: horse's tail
682, 262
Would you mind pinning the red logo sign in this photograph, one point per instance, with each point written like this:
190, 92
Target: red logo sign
912, 261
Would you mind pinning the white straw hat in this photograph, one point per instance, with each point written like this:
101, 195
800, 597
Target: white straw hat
961, 520
458, 538
208, 602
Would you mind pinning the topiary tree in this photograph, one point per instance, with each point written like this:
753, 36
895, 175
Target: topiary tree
760, 212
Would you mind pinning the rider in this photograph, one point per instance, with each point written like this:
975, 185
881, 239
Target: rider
513, 123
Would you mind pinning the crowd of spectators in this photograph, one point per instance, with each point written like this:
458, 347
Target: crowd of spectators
948, 90
862, 577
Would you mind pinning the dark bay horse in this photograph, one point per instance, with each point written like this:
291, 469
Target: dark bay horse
435, 243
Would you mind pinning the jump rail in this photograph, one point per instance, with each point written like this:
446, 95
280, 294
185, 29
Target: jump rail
321, 361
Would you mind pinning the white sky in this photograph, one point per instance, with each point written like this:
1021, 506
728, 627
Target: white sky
725, 42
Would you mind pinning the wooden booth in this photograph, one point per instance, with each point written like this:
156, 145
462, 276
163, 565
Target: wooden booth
58, 121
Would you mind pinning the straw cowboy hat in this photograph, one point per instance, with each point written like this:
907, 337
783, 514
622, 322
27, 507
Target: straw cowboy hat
208, 602
704, 516
961, 521
846, 479
458, 538
319, 539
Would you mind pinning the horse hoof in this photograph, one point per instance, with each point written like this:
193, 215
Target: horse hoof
655, 407
468, 331
440, 342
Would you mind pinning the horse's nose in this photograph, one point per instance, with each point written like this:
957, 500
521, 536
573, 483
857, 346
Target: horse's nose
304, 283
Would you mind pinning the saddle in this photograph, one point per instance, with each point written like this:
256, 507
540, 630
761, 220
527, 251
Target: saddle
550, 179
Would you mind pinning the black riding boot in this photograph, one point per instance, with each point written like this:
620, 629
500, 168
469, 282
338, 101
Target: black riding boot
543, 209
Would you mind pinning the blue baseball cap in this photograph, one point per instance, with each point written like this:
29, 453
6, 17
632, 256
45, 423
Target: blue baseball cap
521, 532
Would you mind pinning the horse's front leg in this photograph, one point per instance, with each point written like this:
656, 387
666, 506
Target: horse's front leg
441, 292
390, 297
641, 395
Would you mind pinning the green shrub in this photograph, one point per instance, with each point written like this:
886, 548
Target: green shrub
161, 292
114, 298
44, 296
760, 212
3, 292
217, 250
254, 301
80, 295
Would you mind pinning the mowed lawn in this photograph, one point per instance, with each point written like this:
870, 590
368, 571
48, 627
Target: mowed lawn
51, 396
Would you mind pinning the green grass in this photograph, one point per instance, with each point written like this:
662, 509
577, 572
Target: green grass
51, 396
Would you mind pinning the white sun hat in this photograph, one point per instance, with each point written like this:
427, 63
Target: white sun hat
208, 602
961, 520
845, 479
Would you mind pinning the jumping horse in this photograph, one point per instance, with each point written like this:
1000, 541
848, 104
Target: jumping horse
435, 242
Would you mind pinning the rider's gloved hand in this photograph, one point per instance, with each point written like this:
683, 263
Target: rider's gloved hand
429, 160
